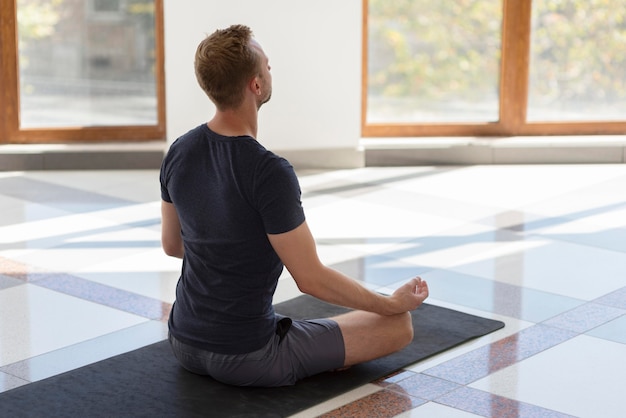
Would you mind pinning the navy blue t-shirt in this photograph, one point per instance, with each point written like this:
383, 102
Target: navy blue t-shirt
229, 193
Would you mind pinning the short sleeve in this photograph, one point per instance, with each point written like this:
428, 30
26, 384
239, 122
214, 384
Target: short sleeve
278, 197
163, 180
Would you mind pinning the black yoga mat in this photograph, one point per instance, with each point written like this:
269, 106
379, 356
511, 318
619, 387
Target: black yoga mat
148, 382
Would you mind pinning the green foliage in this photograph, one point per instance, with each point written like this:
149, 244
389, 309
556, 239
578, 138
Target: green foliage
141, 7
450, 50
434, 50
579, 50
36, 19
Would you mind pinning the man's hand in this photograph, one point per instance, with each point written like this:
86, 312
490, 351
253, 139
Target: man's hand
410, 295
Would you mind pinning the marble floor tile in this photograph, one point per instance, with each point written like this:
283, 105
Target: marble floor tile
104, 295
582, 377
487, 404
17, 211
422, 203
489, 359
353, 219
616, 299
614, 330
381, 404
585, 317
7, 281
46, 233
37, 320
609, 235
87, 352
508, 186
70, 260
501, 298
435, 410
539, 247
379, 270
56, 195
8, 382
595, 196
421, 386
452, 247
335, 403
552, 266
139, 215
125, 185
159, 285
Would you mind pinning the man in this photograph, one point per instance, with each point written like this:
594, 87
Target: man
231, 210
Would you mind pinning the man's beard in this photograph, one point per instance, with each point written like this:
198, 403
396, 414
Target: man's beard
265, 100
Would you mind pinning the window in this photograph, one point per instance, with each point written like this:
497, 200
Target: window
106, 6
577, 65
82, 70
485, 67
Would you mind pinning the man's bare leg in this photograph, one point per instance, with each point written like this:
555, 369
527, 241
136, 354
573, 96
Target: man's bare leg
368, 336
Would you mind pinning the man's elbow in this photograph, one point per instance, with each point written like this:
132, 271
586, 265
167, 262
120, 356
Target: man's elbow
305, 288
173, 250
309, 285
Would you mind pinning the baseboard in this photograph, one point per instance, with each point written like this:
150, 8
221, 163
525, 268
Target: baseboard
327, 158
515, 150
371, 152
110, 156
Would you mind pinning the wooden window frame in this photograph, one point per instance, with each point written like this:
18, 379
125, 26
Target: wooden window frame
10, 130
514, 71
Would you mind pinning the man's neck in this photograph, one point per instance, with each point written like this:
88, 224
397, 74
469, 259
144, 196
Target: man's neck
235, 122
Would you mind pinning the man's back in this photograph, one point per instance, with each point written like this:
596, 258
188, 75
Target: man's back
229, 192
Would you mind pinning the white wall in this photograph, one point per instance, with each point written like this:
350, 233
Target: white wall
314, 49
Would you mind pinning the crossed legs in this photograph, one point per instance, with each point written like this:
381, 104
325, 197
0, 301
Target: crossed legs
368, 336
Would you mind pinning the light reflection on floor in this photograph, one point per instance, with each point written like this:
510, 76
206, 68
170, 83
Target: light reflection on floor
542, 248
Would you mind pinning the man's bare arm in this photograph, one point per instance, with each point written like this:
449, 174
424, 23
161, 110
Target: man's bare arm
297, 250
171, 240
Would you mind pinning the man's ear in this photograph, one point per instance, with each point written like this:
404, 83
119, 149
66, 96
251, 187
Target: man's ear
255, 85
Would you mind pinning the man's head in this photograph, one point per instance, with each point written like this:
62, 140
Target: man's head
226, 64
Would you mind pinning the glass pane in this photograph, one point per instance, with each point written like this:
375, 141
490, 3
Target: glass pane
578, 61
433, 61
86, 63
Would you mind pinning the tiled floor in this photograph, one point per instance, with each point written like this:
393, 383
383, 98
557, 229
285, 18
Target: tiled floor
542, 248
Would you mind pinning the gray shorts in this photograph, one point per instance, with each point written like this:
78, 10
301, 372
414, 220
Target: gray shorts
307, 348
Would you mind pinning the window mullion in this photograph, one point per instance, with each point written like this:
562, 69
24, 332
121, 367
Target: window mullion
8, 71
516, 26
